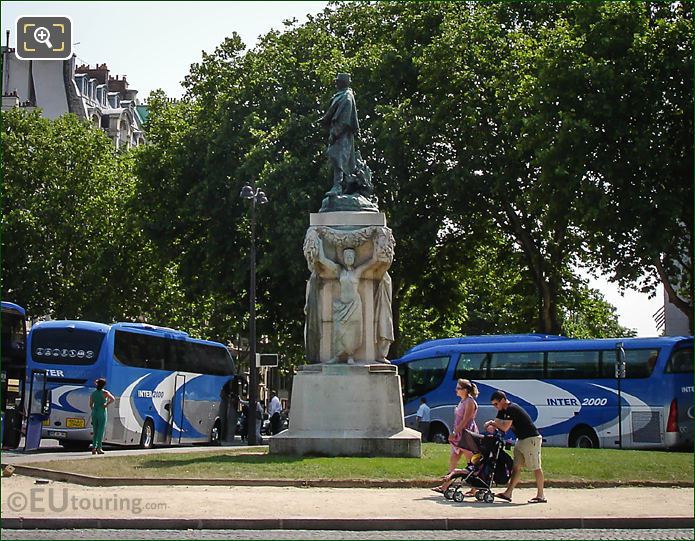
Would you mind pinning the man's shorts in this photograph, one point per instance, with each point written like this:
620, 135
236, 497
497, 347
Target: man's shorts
527, 452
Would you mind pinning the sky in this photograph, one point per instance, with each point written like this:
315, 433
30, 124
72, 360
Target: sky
155, 43
635, 310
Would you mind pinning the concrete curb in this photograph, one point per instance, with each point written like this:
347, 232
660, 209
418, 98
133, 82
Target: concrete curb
359, 524
89, 480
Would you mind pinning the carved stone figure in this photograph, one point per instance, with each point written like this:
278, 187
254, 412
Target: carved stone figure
335, 291
383, 317
383, 328
312, 325
347, 308
312, 306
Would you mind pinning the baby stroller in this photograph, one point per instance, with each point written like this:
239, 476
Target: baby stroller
489, 464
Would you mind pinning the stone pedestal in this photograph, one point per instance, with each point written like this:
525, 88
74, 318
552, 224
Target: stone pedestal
349, 402
347, 410
332, 325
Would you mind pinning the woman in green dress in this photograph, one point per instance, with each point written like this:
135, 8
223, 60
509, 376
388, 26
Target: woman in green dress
99, 401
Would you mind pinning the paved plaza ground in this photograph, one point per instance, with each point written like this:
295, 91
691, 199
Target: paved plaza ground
28, 501
54, 499
376, 535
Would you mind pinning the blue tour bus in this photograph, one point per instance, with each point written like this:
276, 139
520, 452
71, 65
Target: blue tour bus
168, 386
568, 386
12, 372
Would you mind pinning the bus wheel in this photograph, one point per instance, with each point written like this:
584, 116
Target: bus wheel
215, 434
439, 434
147, 437
583, 437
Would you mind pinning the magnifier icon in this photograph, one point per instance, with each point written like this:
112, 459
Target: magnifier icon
42, 35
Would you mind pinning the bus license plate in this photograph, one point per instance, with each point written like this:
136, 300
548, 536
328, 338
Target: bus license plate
57, 434
74, 422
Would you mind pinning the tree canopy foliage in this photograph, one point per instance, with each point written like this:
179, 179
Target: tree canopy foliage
69, 245
481, 123
510, 143
72, 246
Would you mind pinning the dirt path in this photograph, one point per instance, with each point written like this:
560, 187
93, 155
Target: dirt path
21, 496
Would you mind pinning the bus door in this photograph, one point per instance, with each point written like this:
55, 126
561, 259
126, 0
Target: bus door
178, 403
38, 409
13, 368
12, 410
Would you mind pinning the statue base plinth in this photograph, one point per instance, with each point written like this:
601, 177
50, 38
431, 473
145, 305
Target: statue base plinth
405, 444
347, 410
350, 202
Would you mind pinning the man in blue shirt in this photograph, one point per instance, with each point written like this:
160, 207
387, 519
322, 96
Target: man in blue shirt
423, 419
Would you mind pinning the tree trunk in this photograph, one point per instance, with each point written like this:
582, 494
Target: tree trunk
683, 305
545, 286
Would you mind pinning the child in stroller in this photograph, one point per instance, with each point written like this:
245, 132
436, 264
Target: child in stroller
489, 464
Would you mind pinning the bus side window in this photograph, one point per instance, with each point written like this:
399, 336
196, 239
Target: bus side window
140, 350
472, 366
215, 360
573, 364
181, 359
517, 365
640, 362
681, 362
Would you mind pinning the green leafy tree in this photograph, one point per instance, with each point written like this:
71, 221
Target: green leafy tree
480, 195
68, 247
590, 316
638, 110
72, 246
523, 97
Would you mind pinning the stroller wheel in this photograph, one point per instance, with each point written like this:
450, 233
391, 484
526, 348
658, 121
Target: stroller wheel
458, 496
479, 495
489, 497
449, 493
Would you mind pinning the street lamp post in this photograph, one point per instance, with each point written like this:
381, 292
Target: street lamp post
255, 197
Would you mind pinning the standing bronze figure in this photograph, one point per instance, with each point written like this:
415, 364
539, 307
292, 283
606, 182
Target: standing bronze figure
342, 124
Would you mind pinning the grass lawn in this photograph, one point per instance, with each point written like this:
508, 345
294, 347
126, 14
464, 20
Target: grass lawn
559, 464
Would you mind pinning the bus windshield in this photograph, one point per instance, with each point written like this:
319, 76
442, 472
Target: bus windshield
66, 346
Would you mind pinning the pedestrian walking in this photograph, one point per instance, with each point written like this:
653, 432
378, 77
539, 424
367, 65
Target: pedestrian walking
423, 419
464, 419
527, 450
259, 422
243, 421
274, 411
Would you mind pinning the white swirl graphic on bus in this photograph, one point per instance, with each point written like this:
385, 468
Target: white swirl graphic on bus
64, 353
